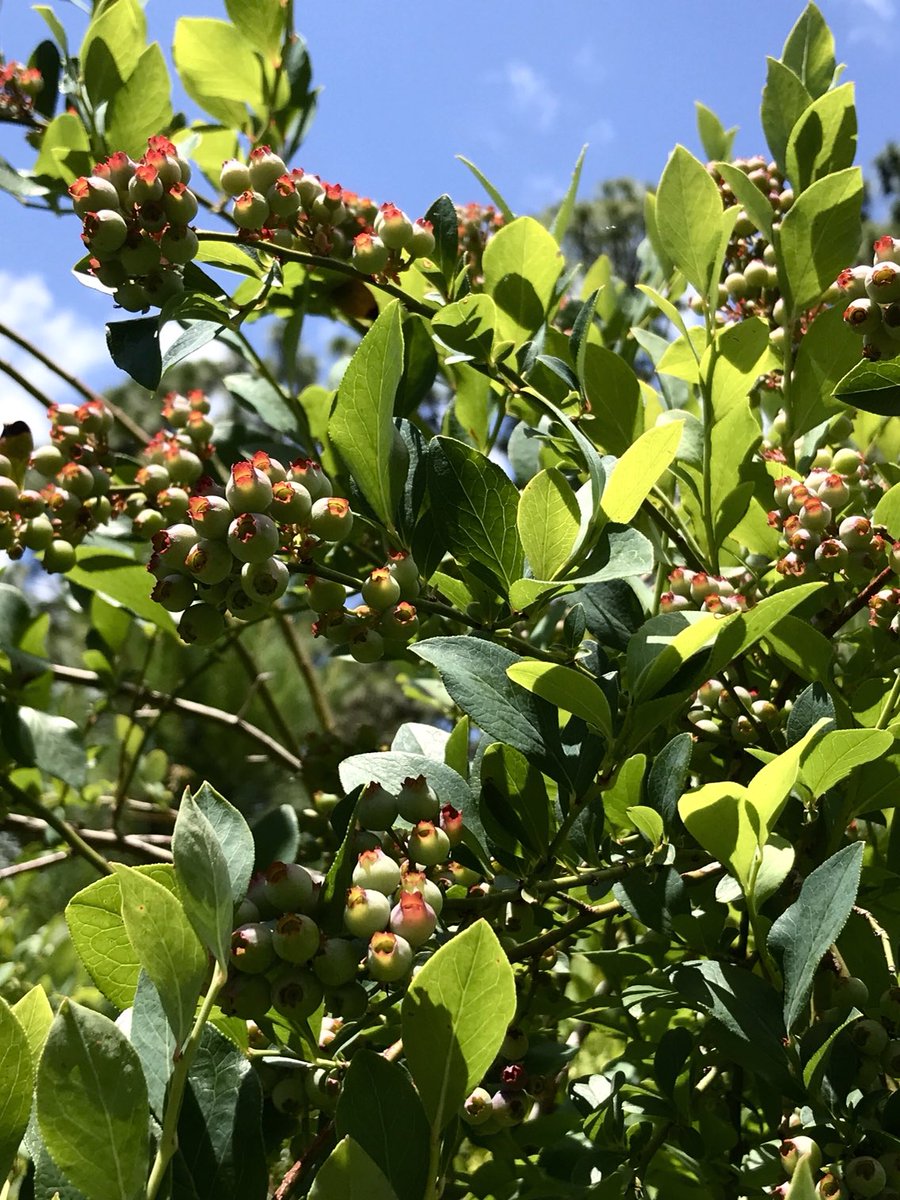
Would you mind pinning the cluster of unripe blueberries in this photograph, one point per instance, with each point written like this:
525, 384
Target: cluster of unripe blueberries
18, 87
136, 224
749, 286
823, 521
64, 494
873, 293
280, 957
709, 593
297, 210
385, 620
734, 714
874, 1043
226, 555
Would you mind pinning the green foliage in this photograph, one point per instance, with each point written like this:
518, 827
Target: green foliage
547, 653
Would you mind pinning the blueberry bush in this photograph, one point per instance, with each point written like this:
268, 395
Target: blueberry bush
472, 774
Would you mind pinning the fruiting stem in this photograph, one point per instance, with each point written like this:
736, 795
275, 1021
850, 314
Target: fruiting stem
434, 1163
168, 1141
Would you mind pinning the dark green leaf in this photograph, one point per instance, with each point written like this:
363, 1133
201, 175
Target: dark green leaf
152, 1037
134, 348
612, 611
394, 1131
276, 836
39, 739
270, 404
668, 777
873, 387
350, 1174
445, 223
811, 706
233, 834
784, 101
803, 932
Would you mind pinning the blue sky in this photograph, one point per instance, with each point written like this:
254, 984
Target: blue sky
516, 86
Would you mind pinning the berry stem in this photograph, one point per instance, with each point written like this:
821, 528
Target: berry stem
168, 1142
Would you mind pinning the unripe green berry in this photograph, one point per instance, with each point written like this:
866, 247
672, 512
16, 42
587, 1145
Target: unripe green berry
265, 167
869, 1037
288, 888
234, 177
295, 938
883, 283
756, 275
246, 996
381, 590
36, 533
421, 244
325, 595
349, 1001
417, 801
477, 1108
394, 227
132, 297
265, 582
179, 245
830, 1187
91, 194
389, 957
253, 537
289, 1094
148, 524
297, 995
862, 316
202, 624
428, 844
9, 494
211, 515
400, 623
105, 231
736, 285
366, 911
509, 1108
180, 204
174, 592
370, 255
46, 460
337, 962
252, 949
291, 503
417, 881
250, 210
864, 1176
377, 807
209, 562
248, 490
413, 918
331, 519
366, 646
59, 557
376, 871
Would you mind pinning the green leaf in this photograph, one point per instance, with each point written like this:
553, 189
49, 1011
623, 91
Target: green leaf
662, 646
824, 139
34, 1014
715, 138
569, 690
803, 932
820, 234
454, 1019
121, 581
475, 505
754, 624
152, 1037
668, 774
92, 1105
647, 822
784, 101
17, 1076
165, 944
468, 326
204, 880
522, 263
234, 837
142, 106
887, 511
508, 214
802, 1185
839, 752
809, 51
362, 421
53, 744
548, 521
514, 804
219, 69
474, 673
445, 226
394, 1132
769, 788
220, 1135
827, 351
65, 149
261, 22
134, 346
267, 402
112, 47
872, 386
98, 933
689, 217
564, 213
55, 25
614, 394
350, 1174
639, 468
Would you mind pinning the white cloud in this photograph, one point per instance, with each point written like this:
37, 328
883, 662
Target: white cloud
27, 305
871, 23
529, 95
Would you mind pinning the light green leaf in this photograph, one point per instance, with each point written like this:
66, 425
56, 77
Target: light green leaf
718, 817
887, 511
681, 358
839, 752
65, 149
16, 1086
827, 351
55, 25
689, 216
475, 506
120, 580
34, 1014
362, 426
770, 787
809, 51
92, 1105
716, 139
166, 946
349, 1174
204, 881
112, 47
564, 212
647, 822
503, 207
454, 1019
754, 624
698, 635
614, 394
98, 933
548, 520
639, 468
824, 139
568, 689
784, 101
802, 1185
748, 196
219, 69
522, 263
820, 235
142, 106
261, 22
468, 326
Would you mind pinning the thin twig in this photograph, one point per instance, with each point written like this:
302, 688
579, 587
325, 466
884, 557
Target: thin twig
882, 934
25, 384
35, 864
258, 681
63, 828
295, 1173
304, 665
148, 846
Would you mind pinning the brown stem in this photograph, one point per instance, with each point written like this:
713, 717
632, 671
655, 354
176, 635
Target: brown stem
294, 1176
298, 652
146, 847
258, 682
122, 418
63, 828
859, 601
24, 384
35, 864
